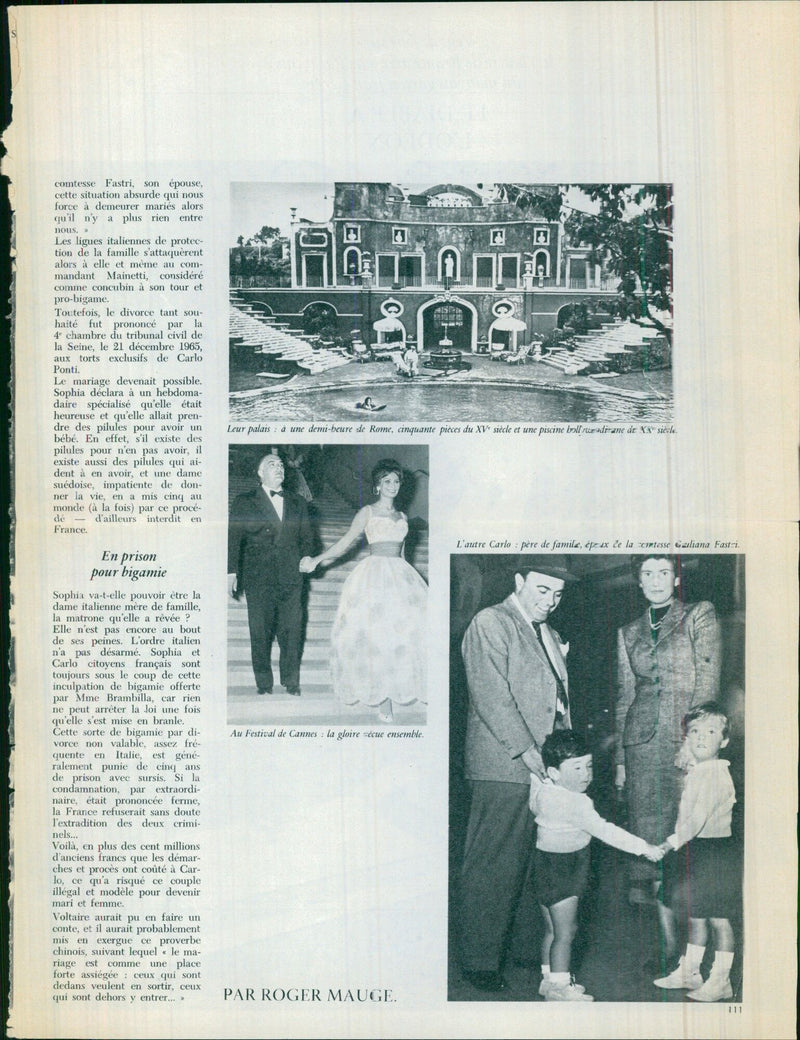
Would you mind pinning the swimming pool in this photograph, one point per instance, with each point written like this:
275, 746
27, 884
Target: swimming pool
451, 402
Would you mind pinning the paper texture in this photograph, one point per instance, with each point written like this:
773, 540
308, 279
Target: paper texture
198, 848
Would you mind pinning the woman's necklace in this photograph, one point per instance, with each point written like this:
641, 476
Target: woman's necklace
657, 615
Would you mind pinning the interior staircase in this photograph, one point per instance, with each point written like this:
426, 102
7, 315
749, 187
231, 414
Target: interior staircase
316, 705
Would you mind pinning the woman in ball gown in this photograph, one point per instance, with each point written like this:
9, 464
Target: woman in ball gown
379, 637
668, 661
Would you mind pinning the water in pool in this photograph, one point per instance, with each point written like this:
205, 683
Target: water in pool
450, 402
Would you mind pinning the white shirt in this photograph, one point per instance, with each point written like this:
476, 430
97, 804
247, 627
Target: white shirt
567, 821
706, 803
276, 500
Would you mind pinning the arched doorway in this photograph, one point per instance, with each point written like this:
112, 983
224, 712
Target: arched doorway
320, 319
454, 320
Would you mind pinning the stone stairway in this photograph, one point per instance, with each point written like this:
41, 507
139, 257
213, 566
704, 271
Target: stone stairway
616, 347
253, 332
316, 705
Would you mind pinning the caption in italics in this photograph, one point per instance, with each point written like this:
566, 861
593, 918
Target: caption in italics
443, 429
578, 545
290, 733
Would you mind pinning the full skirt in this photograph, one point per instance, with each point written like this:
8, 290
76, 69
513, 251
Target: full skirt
379, 637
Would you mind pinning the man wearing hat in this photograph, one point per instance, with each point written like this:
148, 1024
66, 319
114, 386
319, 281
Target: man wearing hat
518, 694
269, 532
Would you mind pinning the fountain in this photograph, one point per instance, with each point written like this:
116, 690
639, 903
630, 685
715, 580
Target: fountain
447, 356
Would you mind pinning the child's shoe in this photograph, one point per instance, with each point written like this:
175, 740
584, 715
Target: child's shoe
566, 991
716, 987
681, 978
546, 984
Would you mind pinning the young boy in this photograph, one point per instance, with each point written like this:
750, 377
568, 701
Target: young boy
706, 872
566, 822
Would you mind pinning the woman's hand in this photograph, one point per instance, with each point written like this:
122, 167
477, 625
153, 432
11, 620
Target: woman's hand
654, 853
619, 778
308, 564
684, 760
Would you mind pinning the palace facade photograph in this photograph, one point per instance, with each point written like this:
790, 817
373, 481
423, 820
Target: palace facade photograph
550, 302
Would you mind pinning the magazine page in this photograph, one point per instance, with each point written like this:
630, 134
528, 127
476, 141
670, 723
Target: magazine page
404, 608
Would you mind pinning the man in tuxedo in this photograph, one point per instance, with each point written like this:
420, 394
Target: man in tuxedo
268, 533
517, 679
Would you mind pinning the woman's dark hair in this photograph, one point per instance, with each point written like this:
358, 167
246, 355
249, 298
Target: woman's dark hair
637, 562
383, 469
560, 745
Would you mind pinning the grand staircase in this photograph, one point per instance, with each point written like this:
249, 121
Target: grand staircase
259, 340
616, 347
316, 706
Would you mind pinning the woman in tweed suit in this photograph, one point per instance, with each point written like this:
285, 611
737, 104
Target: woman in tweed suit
668, 661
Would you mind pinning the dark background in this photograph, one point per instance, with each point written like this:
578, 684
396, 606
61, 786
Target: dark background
342, 473
588, 617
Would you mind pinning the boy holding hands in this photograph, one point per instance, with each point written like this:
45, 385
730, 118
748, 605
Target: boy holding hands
566, 822
707, 867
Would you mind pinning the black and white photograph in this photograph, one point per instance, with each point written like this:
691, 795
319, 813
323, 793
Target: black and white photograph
597, 777
445, 302
504, 474
327, 583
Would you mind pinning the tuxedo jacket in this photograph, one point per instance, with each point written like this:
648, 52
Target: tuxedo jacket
264, 550
661, 675
512, 693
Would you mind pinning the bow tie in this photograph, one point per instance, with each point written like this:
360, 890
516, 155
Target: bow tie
276, 494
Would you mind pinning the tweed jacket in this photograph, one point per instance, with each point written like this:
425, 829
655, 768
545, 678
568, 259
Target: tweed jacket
512, 693
661, 675
262, 548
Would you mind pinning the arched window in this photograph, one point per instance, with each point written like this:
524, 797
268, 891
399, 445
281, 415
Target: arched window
351, 261
541, 258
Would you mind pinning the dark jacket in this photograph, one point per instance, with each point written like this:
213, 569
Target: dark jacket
262, 549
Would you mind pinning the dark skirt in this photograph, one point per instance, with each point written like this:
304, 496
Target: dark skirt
560, 875
704, 878
653, 792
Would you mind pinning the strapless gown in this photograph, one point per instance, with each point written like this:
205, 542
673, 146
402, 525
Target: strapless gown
379, 636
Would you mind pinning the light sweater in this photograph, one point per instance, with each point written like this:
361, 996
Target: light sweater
567, 821
706, 803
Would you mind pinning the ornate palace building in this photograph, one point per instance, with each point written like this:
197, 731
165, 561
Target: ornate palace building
447, 266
